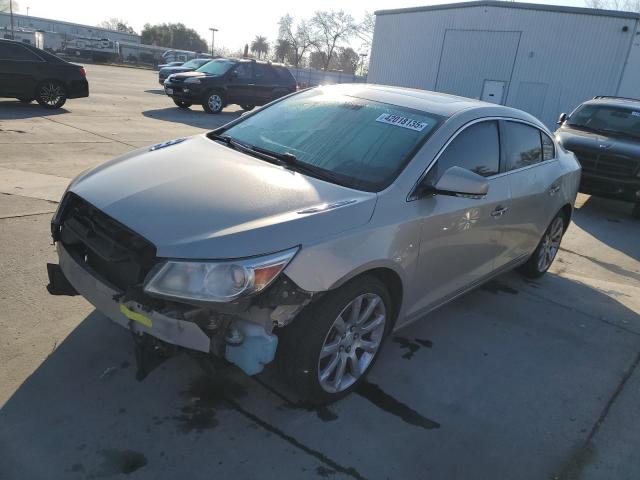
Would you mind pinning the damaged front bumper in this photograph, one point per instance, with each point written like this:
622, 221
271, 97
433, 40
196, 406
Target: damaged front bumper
130, 315
244, 336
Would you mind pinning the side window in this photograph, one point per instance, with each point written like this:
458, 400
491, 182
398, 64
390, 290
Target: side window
12, 51
264, 74
548, 149
477, 148
243, 71
522, 145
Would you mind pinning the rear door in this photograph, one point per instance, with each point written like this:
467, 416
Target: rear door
460, 237
266, 82
241, 86
19, 70
534, 175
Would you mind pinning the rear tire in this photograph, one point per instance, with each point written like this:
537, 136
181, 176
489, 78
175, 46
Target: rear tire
326, 352
213, 102
547, 249
182, 103
247, 108
51, 94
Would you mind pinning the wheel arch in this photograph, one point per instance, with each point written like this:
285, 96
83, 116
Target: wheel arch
389, 277
567, 211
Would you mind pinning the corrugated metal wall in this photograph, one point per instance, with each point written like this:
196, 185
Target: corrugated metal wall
562, 58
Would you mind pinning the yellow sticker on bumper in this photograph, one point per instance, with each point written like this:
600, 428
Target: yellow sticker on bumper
136, 317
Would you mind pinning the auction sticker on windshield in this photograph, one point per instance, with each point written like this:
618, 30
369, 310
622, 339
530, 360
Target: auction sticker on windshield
403, 122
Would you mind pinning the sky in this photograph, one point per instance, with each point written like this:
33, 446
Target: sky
238, 21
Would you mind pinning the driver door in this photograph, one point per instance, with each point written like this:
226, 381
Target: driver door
241, 87
461, 237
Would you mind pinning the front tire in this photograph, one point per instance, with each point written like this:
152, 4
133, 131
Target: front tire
547, 249
51, 94
213, 102
327, 351
247, 108
182, 103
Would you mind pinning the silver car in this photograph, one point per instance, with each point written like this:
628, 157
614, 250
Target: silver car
309, 230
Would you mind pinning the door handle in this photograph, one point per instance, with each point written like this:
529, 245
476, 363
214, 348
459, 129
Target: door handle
555, 188
499, 211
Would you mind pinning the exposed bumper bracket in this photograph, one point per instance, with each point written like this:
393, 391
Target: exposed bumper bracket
58, 283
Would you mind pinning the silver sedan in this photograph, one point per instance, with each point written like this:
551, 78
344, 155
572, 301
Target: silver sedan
311, 229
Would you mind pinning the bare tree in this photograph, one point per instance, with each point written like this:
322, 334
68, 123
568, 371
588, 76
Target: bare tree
333, 28
300, 38
365, 30
5, 6
116, 24
624, 5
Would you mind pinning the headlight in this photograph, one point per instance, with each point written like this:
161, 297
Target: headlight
192, 80
218, 281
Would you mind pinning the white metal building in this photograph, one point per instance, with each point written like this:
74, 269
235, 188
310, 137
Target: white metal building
26, 23
540, 58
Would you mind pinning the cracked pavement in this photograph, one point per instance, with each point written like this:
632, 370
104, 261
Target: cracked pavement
517, 379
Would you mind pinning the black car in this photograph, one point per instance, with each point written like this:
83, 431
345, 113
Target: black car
604, 134
189, 66
225, 81
29, 73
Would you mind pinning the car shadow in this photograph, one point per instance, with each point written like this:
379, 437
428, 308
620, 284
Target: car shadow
15, 110
194, 117
82, 414
610, 221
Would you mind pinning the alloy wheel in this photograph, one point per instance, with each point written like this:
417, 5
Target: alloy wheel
51, 94
352, 342
215, 102
550, 244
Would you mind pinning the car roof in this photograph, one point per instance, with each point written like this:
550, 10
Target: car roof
433, 102
614, 102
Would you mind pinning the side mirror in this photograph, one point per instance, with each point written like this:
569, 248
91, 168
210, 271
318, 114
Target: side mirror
459, 182
561, 118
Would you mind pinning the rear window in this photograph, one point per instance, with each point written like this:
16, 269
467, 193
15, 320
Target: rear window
284, 74
15, 51
364, 143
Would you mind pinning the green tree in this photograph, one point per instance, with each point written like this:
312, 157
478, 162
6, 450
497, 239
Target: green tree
173, 35
260, 46
347, 60
282, 50
117, 24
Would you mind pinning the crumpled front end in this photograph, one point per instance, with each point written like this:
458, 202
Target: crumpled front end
107, 264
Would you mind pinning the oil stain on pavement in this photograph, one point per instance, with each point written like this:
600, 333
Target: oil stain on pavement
412, 346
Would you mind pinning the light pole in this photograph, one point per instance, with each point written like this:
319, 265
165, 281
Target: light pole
27, 11
11, 15
362, 57
213, 38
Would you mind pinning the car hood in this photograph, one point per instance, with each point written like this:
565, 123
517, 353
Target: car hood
171, 70
196, 74
201, 199
575, 139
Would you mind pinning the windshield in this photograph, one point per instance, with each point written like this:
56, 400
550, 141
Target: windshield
364, 143
216, 67
195, 63
609, 119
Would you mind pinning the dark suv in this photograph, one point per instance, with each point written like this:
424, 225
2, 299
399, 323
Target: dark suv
604, 134
225, 81
29, 73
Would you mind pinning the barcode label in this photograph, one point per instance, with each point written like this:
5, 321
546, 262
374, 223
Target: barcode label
403, 122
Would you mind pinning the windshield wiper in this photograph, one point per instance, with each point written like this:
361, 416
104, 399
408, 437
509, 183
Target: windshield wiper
289, 160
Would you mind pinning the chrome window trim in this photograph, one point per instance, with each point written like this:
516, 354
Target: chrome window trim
412, 197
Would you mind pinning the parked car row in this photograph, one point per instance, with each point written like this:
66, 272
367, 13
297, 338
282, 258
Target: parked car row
189, 66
